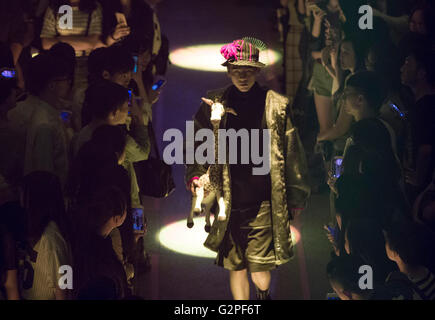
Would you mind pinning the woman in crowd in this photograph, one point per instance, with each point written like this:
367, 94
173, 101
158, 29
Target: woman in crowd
47, 247
321, 81
98, 163
351, 60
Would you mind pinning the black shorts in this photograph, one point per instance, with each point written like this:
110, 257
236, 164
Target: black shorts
248, 242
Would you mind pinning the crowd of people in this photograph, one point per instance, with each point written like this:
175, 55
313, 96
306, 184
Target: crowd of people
373, 91
76, 112
76, 117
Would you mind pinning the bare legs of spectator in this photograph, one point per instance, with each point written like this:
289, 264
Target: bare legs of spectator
324, 112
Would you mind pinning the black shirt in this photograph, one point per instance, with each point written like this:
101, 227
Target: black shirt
95, 259
248, 190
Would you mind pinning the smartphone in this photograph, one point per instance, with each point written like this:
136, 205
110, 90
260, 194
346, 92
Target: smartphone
8, 73
66, 116
332, 230
120, 18
138, 220
130, 97
156, 86
130, 100
135, 58
337, 167
397, 110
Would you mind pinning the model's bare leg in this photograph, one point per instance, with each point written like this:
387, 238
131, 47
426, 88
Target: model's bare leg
262, 282
239, 284
324, 112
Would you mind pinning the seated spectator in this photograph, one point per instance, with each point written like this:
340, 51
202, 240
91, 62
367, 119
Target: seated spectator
47, 237
38, 118
94, 256
364, 239
344, 277
407, 245
418, 73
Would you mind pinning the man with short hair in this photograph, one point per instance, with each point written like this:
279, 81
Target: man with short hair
363, 98
39, 116
255, 236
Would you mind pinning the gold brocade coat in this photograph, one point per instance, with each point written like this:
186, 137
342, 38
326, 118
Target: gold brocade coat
288, 171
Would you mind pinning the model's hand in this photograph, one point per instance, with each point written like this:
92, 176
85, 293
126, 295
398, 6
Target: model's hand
211, 102
193, 185
207, 101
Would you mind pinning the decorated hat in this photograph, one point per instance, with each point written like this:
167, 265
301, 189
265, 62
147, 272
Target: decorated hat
244, 52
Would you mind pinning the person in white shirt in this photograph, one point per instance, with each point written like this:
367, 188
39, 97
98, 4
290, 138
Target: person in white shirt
47, 247
39, 117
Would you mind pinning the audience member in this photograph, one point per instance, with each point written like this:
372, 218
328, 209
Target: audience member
418, 73
39, 116
322, 82
407, 245
106, 103
345, 279
99, 163
94, 256
47, 241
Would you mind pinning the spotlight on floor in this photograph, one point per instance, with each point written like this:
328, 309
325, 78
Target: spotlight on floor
208, 58
178, 238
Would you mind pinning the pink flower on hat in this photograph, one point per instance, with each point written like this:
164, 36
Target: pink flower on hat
231, 50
